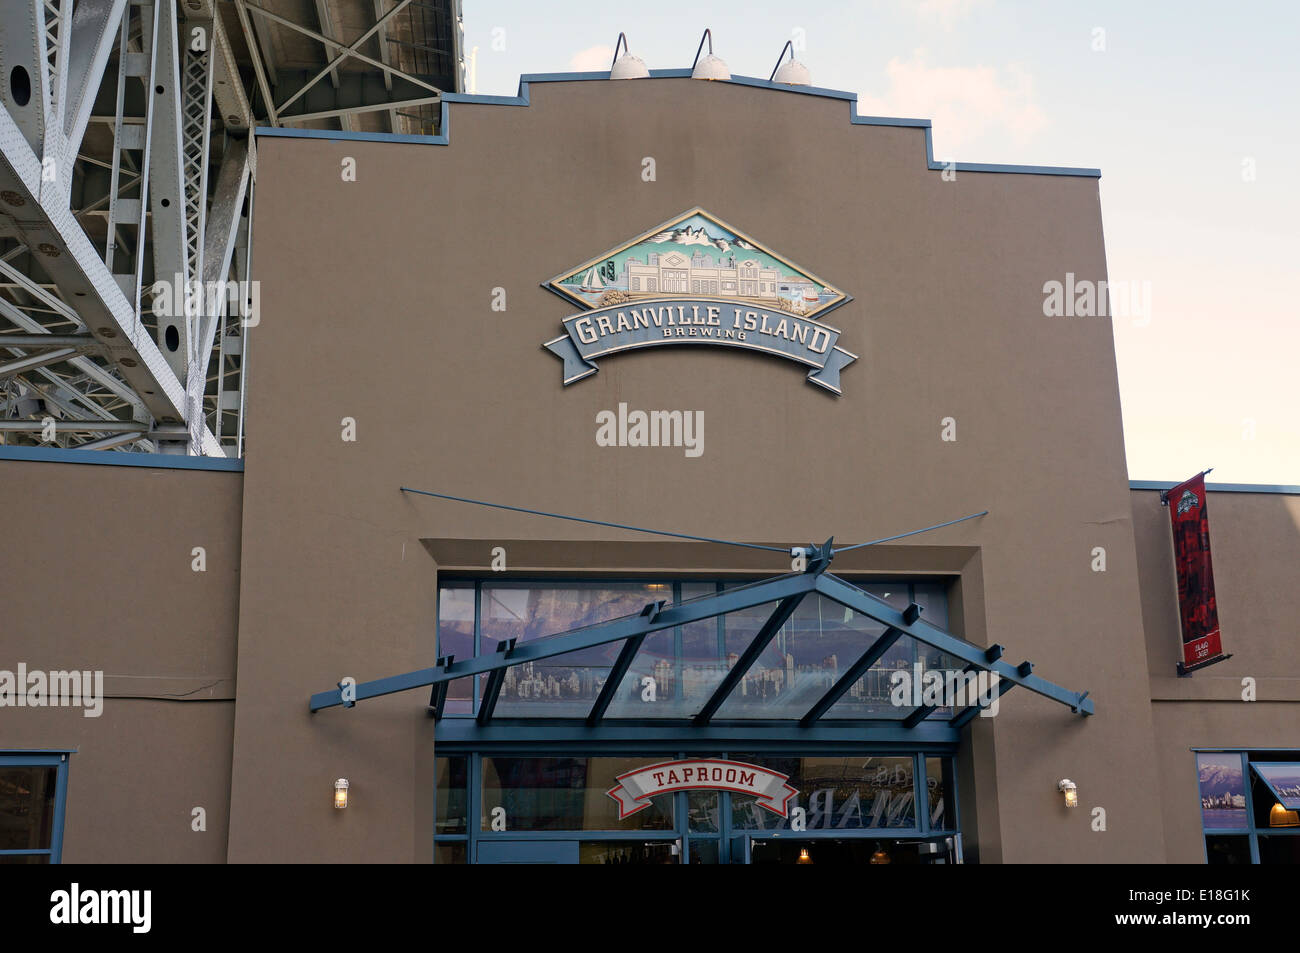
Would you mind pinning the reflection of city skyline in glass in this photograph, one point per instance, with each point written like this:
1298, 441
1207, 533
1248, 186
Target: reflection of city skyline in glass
677, 670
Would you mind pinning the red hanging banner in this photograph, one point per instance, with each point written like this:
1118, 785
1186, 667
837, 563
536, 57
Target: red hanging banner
1196, 604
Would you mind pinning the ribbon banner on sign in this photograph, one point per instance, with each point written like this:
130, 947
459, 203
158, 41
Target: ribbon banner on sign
636, 788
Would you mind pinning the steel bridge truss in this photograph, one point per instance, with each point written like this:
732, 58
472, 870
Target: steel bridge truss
127, 171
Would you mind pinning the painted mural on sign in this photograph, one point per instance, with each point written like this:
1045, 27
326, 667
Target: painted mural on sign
697, 280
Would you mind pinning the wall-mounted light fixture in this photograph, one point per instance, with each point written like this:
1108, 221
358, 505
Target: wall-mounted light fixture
1071, 791
710, 67
804, 856
880, 856
793, 73
627, 66
1279, 816
341, 793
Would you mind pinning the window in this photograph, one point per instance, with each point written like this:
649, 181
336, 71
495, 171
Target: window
1250, 806
683, 665
523, 803
33, 788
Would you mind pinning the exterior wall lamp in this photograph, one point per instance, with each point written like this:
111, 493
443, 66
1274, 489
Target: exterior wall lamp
341, 793
793, 73
629, 66
711, 67
1071, 791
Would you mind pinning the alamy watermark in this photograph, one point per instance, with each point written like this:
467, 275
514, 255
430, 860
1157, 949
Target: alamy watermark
35, 688
180, 298
945, 688
1084, 298
651, 428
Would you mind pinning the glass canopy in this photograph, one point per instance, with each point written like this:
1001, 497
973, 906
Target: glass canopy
798, 648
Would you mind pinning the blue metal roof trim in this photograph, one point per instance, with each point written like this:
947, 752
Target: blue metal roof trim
1218, 487
114, 458
522, 99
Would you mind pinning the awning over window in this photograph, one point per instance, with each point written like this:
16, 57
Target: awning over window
884, 666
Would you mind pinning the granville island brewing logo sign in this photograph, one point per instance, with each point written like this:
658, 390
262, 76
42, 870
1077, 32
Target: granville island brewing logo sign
697, 280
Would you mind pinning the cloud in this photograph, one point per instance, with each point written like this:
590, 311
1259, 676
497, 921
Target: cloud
946, 13
592, 58
963, 102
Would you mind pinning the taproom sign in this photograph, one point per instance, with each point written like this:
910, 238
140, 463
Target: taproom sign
636, 788
697, 280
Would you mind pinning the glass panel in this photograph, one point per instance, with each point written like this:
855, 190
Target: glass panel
703, 851
938, 781
835, 793
456, 637
1283, 779
1227, 849
1279, 849
24, 858
675, 674
804, 659
1223, 791
450, 852
565, 794
627, 852
683, 686
567, 685
703, 811
27, 807
451, 798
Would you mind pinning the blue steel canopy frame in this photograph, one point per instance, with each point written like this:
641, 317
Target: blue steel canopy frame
787, 591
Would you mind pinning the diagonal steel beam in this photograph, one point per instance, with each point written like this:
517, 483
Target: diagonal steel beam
351, 49
780, 615
258, 71
614, 677
883, 643
350, 110
261, 11
859, 601
616, 630
94, 30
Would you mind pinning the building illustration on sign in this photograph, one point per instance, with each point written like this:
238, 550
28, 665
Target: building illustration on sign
697, 280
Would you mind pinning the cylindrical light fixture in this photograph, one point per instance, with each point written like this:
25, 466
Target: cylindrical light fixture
804, 856
1071, 791
341, 793
1279, 816
627, 66
793, 73
710, 67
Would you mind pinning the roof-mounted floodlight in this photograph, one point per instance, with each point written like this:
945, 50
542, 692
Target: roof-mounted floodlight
628, 66
710, 67
793, 73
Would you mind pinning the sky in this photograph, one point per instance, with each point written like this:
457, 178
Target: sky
1191, 110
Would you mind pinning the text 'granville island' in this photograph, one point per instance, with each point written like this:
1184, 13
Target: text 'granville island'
681, 324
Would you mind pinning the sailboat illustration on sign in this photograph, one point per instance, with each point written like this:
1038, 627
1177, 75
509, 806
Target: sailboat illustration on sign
591, 282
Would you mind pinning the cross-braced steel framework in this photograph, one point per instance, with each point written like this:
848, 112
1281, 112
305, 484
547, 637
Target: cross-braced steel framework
127, 166
784, 594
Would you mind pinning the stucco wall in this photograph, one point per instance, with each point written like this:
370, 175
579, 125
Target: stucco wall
1255, 548
377, 306
98, 575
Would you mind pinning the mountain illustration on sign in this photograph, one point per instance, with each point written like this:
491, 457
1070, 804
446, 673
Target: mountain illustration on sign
700, 257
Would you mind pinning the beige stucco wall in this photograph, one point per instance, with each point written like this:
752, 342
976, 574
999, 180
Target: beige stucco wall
1255, 548
376, 306
97, 575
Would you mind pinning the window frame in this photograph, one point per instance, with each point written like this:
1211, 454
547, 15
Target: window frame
1251, 831
58, 759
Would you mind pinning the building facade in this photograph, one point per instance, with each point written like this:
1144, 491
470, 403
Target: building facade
500, 685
